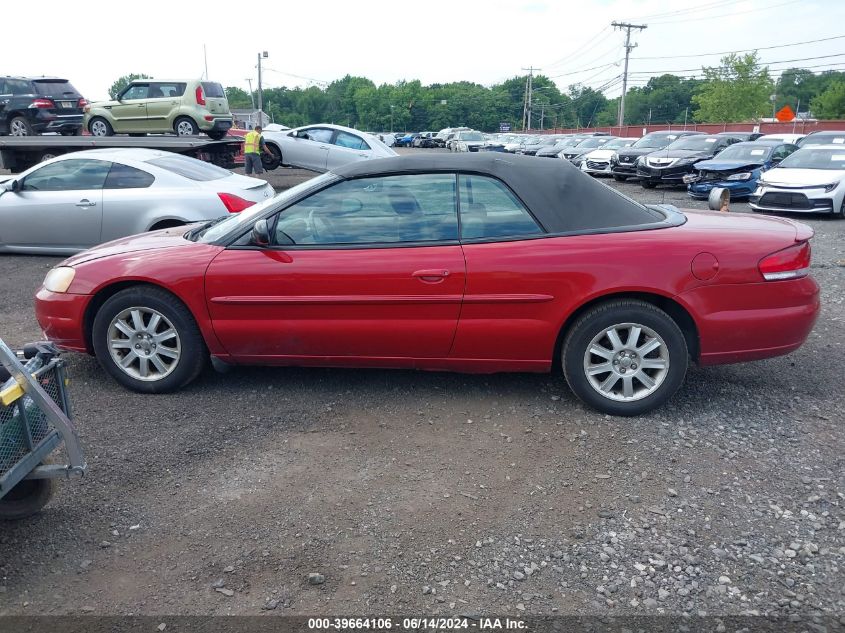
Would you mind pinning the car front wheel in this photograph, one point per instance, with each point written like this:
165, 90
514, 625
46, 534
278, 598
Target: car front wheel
625, 357
148, 340
100, 127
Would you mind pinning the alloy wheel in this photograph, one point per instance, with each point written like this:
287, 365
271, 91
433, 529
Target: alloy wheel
98, 128
18, 128
144, 344
626, 362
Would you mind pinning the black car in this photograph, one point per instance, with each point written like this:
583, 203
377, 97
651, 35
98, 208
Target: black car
625, 164
669, 166
742, 136
40, 104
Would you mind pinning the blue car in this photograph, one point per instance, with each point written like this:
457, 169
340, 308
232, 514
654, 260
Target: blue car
407, 140
736, 168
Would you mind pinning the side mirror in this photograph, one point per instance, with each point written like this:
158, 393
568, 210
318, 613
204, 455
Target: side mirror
260, 233
11, 185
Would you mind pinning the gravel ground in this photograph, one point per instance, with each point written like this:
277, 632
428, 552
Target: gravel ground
437, 493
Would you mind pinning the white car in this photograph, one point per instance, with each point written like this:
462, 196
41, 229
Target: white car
597, 162
811, 180
468, 141
791, 139
324, 146
81, 199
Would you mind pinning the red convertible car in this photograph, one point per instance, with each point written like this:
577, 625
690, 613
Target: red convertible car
470, 263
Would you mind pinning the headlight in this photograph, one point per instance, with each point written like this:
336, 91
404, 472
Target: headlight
745, 175
830, 187
684, 161
641, 160
59, 279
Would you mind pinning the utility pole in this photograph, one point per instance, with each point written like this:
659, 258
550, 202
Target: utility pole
251, 95
628, 48
542, 114
529, 88
260, 91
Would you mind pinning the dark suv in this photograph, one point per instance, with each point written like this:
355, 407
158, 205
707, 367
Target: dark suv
40, 104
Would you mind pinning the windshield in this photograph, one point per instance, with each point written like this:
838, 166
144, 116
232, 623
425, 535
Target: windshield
752, 153
58, 89
616, 143
695, 143
213, 90
593, 142
816, 158
245, 217
657, 140
472, 136
190, 167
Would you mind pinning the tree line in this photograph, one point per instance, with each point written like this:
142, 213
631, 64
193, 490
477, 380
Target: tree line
740, 88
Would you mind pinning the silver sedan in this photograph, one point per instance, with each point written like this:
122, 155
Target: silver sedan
324, 146
81, 199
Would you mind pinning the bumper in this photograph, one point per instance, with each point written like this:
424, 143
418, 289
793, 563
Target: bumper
596, 167
666, 176
738, 188
62, 317
216, 125
793, 201
743, 322
624, 169
48, 122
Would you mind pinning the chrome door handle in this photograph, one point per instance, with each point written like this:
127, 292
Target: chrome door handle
324, 147
86, 203
431, 276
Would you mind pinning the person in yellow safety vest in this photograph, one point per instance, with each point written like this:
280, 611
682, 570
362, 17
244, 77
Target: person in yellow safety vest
253, 148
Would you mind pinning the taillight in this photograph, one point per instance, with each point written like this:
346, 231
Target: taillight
42, 103
83, 103
233, 203
209, 117
790, 263
200, 96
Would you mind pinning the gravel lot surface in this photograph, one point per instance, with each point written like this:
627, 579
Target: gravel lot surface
439, 493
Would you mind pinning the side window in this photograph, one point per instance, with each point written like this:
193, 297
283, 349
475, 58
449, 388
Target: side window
160, 90
319, 134
489, 209
345, 139
386, 210
783, 151
136, 91
126, 177
68, 175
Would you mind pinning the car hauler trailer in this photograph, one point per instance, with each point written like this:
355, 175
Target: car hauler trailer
18, 153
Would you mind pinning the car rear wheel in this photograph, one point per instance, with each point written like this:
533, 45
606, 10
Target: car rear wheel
19, 126
625, 357
185, 126
620, 178
98, 126
148, 340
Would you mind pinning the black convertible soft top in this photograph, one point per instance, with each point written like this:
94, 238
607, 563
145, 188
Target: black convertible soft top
560, 196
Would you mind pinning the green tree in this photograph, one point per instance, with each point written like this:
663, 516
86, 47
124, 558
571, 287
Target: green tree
831, 103
238, 98
738, 90
124, 81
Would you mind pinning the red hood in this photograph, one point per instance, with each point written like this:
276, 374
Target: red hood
155, 240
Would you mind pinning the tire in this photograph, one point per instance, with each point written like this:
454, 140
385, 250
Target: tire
620, 178
647, 185
25, 499
216, 136
19, 126
48, 155
669, 357
185, 126
98, 126
170, 361
274, 161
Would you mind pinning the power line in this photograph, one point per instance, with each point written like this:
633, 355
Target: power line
726, 15
579, 50
744, 50
782, 61
705, 7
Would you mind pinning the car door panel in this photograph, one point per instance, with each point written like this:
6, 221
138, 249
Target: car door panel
310, 153
399, 303
57, 219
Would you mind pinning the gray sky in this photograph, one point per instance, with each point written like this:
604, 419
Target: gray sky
435, 41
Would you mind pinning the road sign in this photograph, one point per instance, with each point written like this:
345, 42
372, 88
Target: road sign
504, 126
785, 114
